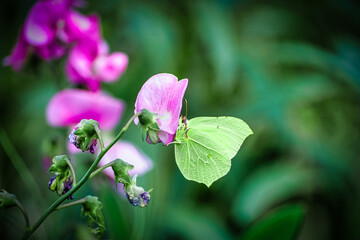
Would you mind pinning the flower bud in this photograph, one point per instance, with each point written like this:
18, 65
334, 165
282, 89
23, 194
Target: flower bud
62, 181
84, 136
149, 125
7, 199
92, 209
137, 196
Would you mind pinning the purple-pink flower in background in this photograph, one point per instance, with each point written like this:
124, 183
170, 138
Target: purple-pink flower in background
39, 32
75, 26
49, 28
68, 107
162, 95
90, 63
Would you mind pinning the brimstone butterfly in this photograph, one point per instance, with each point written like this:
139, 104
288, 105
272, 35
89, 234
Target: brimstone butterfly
204, 146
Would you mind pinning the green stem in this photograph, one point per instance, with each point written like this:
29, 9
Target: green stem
20, 166
53, 207
26, 217
98, 132
72, 170
94, 173
78, 202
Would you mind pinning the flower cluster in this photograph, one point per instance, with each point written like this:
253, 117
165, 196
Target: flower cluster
53, 28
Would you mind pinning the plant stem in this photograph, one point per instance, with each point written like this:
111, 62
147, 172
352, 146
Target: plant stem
98, 132
26, 217
94, 173
72, 170
53, 207
80, 201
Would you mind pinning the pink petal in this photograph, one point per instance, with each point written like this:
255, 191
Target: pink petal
69, 107
17, 57
39, 29
50, 51
109, 68
127, 152
79, 64
77, 27
163, 94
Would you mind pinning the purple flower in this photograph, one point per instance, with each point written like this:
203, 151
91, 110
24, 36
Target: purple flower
89, 63
68, 107
162, 95
139, 201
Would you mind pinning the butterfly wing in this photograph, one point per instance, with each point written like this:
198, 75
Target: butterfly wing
203, 150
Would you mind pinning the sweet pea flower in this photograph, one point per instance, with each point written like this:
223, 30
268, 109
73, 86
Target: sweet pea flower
90, 63
162, 95
68, 107
75, 27
39, 33
48, 29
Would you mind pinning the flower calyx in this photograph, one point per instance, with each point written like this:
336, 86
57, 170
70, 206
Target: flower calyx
85, 135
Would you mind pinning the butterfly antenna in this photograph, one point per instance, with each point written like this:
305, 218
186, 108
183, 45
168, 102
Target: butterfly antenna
185, 107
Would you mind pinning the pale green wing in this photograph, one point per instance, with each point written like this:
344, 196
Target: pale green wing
204, 150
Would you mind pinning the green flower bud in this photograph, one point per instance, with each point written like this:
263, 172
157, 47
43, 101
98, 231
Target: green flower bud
92, 209
84, 136
62, 181
121, 169
149, 125
7, 200
137, 196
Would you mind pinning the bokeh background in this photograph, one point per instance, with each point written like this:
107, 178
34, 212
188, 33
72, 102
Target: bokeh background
290, 69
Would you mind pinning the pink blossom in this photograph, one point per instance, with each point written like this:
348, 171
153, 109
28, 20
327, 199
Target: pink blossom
75, 27
68, 107
48, 29
90, 63
163, 94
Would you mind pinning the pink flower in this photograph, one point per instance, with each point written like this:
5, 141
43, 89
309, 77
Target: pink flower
68, 107
75, 27
162, 95
49, 27
89, 63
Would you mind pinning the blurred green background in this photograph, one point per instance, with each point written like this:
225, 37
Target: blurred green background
290, 69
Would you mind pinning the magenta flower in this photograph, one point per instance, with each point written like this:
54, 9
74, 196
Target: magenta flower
89, 63
49, 27
68, 107
162, 95
75, 27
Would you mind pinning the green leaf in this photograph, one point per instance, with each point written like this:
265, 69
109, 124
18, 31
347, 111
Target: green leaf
281, 225
205, 146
